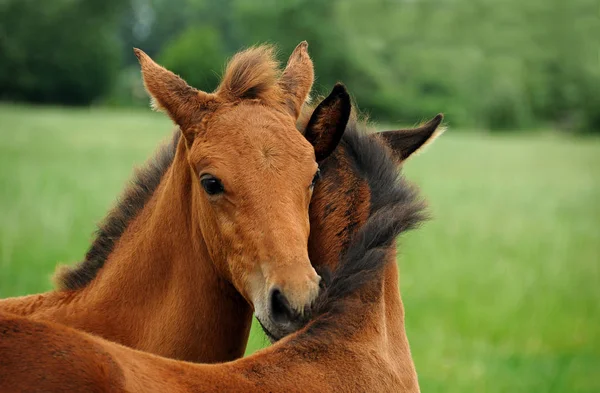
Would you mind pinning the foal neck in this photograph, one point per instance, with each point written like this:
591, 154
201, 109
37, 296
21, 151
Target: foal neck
161, 278
158, 290
386, 327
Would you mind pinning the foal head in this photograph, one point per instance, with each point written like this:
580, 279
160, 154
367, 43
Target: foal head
358, 180
253, 172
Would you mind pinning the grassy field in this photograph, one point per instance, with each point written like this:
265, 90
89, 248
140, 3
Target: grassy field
501, 288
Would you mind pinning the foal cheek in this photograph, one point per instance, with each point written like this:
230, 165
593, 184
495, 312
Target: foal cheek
218, 233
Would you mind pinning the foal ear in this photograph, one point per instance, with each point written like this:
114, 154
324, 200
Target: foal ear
297, 78
328, 122
170, 93
408, 141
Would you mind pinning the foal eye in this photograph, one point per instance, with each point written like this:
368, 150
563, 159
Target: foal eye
211, 185
315, 178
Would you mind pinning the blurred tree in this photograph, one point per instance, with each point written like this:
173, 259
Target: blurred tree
61, 51
197, 55
153, 24
288, 23
504, 64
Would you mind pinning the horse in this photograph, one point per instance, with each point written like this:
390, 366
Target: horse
216, 225
355, 340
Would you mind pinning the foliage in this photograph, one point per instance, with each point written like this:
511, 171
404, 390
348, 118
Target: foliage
59, 51
506, 64
197, 55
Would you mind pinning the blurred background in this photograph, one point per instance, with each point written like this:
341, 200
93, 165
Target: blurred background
501, 288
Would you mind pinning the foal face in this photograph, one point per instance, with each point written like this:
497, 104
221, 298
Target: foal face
253, 172
256, 173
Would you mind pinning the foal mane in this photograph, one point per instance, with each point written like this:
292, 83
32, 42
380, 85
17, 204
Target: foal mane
395, 207
140, 189
250, 75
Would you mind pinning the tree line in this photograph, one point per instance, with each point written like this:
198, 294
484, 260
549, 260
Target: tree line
503, 64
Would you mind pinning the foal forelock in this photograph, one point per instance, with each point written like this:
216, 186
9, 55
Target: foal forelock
252, 74
142, 186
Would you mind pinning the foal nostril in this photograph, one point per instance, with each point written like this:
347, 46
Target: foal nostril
281, 311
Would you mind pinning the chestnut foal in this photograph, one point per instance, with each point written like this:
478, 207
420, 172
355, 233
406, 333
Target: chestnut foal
355, 340
215, 226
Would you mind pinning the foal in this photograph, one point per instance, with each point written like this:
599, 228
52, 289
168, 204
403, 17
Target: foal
355, 342
215, 226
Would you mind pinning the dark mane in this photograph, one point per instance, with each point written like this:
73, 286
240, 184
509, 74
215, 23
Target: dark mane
141, 188
395, 208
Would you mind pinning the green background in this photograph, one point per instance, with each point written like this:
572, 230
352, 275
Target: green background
501, 288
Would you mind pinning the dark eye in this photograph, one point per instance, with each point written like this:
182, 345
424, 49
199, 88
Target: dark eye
317, 177
211, 184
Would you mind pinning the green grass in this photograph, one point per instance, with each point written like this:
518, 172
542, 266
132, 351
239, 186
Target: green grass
501, 288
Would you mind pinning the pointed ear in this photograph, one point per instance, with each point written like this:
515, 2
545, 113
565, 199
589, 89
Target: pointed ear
328, 122
297, 78
404, 143
170, 93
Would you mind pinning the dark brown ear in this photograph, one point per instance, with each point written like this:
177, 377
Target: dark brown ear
297, 78
170, 93
406, 142
328, 122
